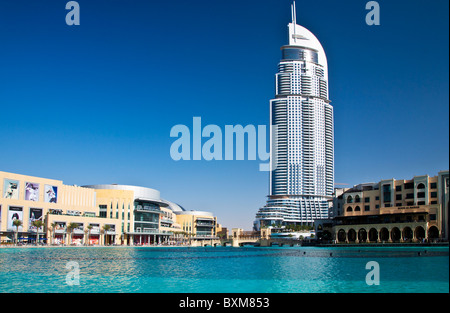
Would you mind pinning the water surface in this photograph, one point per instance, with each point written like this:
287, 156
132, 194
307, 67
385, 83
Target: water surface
224, 269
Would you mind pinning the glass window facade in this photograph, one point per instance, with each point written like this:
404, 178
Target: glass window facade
299, 54
146, 216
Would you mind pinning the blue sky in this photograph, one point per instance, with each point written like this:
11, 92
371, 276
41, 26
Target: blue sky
95, 103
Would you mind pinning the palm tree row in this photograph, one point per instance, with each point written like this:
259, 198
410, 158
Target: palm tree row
70, 227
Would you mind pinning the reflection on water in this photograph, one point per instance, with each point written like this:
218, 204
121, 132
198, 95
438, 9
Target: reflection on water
298, 269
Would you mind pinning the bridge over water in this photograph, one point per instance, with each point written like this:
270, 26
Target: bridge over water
249, 240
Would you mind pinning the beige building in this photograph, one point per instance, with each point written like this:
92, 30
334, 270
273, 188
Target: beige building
146, 218
95, 214
392, 210
29, 198
199, 224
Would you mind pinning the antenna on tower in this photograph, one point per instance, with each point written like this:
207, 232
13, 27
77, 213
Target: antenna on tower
294, 14
294, 19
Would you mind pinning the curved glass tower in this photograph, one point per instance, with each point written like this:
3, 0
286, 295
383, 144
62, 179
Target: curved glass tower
302, 180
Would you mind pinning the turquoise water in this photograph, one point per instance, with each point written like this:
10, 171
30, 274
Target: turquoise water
224, 269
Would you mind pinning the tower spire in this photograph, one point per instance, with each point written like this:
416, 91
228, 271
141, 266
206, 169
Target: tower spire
294, 19
294, 14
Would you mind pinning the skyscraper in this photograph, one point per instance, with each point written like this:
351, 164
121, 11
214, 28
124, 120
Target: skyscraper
302, 178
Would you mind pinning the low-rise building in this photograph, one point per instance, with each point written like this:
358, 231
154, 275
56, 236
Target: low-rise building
67, 212
95, 214
392, 210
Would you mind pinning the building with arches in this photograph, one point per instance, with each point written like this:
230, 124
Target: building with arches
414, 210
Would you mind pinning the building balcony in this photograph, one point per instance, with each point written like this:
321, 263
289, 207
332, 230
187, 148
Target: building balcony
140, 208
167, 221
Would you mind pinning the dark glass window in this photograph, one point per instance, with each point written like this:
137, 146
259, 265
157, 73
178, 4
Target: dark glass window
398, 188
433, 185
398, 197
386, 193
299, 54
433, 194
367, 208
409, 186
421, 194
367, 199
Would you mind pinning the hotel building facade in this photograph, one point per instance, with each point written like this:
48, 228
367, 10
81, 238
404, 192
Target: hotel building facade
302, 135
414, 210
95, 214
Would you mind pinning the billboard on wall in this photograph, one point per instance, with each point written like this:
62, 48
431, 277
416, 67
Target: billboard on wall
14, 213
11, 189
35, 215
50, 194
31, 191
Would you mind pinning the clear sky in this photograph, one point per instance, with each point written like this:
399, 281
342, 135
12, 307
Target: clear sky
94, 103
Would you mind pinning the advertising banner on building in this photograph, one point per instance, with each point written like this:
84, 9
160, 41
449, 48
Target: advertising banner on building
31, 191
14, 213
93, 240
35, 215
11, 189
50, 194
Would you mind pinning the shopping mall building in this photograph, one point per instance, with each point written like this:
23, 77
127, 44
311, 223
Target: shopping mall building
96, 214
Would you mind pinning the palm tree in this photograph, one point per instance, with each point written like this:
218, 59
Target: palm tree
70, 229
88, 228
53, 228
106, 228
190, 235
17, 223
38, 224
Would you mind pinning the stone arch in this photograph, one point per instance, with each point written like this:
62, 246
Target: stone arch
357, 199
373, 235
420, 186
384, 234
349, 199
433, 233
362, 235
407, 233
341, 235
357, 208
419, 233
396, 234
349, 209
351, 235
